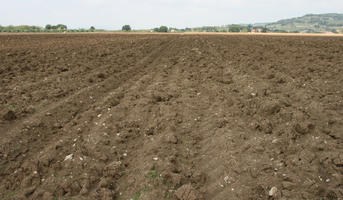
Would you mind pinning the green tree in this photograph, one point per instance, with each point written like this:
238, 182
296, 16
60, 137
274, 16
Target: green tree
126, 28
61, 27
234, 28
163, 29
92, 29
48, 27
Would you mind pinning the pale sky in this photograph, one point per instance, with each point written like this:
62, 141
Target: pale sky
113, 14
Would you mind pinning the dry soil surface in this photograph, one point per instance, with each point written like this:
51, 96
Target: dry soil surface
187, 117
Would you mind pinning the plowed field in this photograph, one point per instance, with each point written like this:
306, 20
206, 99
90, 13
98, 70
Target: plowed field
188, 117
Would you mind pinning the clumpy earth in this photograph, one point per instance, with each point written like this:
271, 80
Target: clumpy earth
179, 117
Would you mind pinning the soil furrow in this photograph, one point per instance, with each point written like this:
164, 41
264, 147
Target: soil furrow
170, 116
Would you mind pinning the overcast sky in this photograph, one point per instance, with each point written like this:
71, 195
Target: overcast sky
112, 14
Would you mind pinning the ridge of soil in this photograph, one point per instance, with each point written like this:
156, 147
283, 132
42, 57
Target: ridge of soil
188, 117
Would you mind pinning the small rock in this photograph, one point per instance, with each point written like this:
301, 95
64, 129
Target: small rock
275, 141
227, 179
253, 94
69, 157
272, 191
155, 158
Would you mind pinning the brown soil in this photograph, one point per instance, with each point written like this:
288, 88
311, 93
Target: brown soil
189, 117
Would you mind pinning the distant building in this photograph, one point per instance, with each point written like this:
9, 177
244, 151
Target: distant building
256, 30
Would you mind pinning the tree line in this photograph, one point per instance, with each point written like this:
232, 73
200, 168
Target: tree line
127, 28
228, 28
162, 29
48, 28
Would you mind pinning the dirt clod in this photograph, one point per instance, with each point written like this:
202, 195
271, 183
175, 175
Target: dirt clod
10, 116
301, 128
171, 138
187, 192
271, 108
101, 75
29, 191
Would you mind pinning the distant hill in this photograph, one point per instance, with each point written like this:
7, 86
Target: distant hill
331, 22
311, 23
